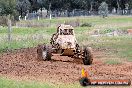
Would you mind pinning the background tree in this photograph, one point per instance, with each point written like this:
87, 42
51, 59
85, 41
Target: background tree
103, 9
7, 7
34, 5
23, 7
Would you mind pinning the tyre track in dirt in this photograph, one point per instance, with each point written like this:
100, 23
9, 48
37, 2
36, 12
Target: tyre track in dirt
23, 64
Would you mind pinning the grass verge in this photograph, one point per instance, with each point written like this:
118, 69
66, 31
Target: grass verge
5, 83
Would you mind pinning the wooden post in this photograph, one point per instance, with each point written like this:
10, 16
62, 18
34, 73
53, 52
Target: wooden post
25, 17
50, 16
38, 17
19, 18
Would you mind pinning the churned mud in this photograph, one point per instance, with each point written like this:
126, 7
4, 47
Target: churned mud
23, 64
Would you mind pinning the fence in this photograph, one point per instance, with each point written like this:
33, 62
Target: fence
74, 13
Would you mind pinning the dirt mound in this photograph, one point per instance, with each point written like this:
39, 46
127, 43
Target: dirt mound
23, 64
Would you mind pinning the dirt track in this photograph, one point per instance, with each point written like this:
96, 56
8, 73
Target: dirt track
23, 64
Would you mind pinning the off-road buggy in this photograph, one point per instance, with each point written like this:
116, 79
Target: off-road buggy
63, 42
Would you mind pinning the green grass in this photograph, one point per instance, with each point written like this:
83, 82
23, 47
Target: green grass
22, 31
25, 37
97, 22
112, 62
119, 46
19, 44
5, 83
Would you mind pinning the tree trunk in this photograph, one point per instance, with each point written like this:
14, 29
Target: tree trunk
91, 6
41, 11
118, 9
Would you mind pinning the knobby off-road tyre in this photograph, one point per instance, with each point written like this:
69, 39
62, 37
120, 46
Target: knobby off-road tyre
87, 56
44, 52
39, 51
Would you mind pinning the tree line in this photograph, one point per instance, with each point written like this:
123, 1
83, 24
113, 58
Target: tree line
22, 7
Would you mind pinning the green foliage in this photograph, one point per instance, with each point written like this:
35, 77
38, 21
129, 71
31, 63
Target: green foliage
86, 25
23, 6
106, 31
7, 7
130, 3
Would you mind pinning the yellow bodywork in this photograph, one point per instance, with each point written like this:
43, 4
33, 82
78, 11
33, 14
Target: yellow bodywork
66, 41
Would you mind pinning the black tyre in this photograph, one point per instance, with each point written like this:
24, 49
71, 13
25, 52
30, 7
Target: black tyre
87, 56
47, 52
44, 52
84, 81
39, 51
